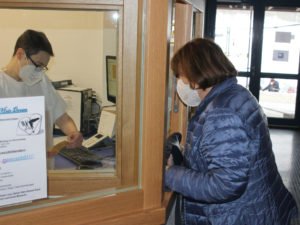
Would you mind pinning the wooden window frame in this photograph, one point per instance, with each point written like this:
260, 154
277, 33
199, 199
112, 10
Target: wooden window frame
143, 205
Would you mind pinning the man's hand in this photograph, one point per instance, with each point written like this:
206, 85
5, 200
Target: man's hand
67, 125
74, 140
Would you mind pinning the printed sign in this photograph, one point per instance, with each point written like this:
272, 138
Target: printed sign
23, 170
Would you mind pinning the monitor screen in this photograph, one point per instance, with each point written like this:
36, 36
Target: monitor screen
111, 78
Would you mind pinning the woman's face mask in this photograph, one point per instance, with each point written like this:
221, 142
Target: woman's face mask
189, 96
30, 75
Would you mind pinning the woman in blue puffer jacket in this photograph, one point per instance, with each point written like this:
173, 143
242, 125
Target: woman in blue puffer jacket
229, 175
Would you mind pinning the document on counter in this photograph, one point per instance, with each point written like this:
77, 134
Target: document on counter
23, 169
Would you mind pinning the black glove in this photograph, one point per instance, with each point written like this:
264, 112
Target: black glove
173, 147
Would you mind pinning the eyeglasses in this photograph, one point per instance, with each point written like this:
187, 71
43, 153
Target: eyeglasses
39, 67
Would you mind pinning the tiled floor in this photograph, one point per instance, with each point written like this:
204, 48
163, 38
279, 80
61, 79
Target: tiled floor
286, 146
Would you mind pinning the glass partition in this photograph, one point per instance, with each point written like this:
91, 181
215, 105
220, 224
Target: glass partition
82, 41
85, 43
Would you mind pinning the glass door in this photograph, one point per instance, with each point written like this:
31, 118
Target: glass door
264, 46
280, 62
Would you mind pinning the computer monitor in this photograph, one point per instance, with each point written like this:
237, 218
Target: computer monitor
111, 78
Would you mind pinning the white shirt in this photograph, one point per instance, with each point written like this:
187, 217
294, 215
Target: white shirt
55, 105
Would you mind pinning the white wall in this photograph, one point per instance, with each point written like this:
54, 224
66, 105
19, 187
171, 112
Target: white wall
80, 40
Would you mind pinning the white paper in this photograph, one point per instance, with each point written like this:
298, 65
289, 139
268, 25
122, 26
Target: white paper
23, 170
107, 123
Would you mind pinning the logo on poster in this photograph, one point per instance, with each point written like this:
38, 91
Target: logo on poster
30, 125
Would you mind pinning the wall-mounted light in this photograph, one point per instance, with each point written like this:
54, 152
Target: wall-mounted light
115, 16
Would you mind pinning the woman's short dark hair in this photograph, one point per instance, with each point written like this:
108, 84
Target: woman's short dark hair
202, 62
32, 42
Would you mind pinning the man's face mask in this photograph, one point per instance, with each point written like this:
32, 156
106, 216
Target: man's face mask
189, 96
30, 75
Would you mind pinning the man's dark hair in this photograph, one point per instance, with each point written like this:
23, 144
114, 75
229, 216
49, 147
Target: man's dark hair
32, 42
203, 62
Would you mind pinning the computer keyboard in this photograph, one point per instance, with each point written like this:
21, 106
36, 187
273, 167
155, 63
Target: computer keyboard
82, 157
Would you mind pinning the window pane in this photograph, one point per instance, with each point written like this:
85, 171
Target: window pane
278, 97
281, 42
244, 81
85, 65
235, 38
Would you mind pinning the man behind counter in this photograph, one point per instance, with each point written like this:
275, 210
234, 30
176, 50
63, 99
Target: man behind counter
25, 76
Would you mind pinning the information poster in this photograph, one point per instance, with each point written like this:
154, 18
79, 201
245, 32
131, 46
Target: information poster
23, 170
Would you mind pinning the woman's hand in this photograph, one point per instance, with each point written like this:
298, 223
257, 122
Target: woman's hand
170, 162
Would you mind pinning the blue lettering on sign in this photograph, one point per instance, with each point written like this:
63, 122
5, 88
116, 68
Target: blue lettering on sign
16, 109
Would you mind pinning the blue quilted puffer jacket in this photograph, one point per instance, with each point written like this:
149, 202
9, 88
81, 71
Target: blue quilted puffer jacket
229, 175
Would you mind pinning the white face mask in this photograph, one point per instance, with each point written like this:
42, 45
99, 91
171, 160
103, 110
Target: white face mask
189, 96
30, 75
